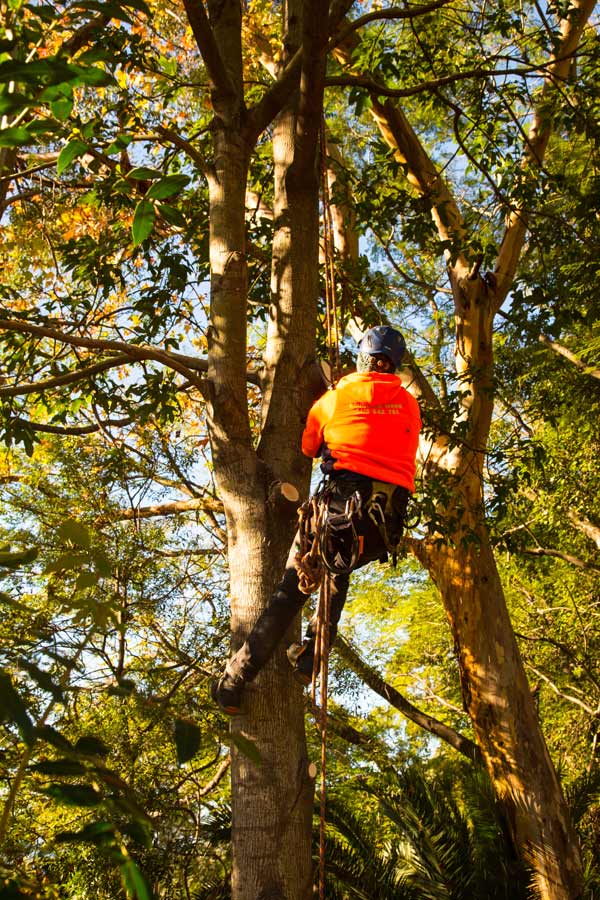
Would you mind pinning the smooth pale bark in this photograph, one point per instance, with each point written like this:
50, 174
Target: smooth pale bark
498, 699
495, 690
494, 685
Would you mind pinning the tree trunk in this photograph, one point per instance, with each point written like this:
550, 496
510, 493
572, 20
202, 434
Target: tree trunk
272, 801
494, 685
498, 699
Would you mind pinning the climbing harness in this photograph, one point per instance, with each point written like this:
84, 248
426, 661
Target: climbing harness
318, 525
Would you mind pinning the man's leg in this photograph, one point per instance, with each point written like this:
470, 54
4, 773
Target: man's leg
301, 656
262, 641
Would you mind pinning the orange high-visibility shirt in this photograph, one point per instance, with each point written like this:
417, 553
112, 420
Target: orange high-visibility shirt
370, 424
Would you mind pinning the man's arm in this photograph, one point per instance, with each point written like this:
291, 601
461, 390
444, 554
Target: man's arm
317, 418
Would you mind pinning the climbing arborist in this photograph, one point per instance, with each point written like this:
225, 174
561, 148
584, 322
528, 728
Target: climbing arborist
366, 430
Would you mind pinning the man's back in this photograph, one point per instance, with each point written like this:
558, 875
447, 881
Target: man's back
370, 425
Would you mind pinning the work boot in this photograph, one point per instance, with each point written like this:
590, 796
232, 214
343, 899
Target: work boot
302, 659
227, 692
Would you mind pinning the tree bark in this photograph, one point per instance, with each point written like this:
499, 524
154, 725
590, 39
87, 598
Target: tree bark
271, 802
498, 699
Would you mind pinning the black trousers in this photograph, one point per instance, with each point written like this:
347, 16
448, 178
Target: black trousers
288, 599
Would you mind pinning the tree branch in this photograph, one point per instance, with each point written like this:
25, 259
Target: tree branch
566, 557
559, 693
220, 81
571, 30
180, 362
377, 88
421, 172
394, 12
372, 678
586, 527
568, 354
214, 781
210, 504
69, 429
581, 523
272, 102
37, 387
133, 351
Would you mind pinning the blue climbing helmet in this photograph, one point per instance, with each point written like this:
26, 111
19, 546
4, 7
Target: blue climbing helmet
383, 340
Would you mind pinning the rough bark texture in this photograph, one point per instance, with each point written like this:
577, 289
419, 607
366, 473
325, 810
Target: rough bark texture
271, 802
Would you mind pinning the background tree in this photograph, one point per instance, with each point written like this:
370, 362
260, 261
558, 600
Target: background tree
132, 162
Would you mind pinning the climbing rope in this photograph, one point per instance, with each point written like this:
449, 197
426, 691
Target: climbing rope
322, 665
314, 568
312, 575
331, 311
308, 562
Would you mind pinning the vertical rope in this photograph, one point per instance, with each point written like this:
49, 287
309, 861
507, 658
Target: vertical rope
331, 311
321, 666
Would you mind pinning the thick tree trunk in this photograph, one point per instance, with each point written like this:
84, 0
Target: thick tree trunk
271, 801
498, 699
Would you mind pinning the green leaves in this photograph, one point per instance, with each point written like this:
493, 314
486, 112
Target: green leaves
187, 740
143, 173
82, 554
69, 153
133, 881
76, 532
17, 558
166, 187
43, 679
14, 137
145, 212
55, 767
89, 745
73, 794
13, 709
104, 835
143, 221
66, 561
52, 71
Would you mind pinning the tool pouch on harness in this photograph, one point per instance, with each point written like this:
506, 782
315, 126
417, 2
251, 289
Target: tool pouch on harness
387, 509
340, 545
